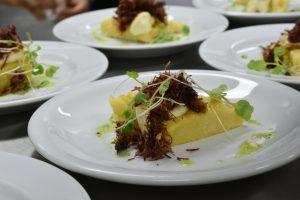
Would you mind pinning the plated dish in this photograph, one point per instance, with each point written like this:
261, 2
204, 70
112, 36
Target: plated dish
85, 29
30, 179
232, 51
53, 67
254, 11
62, 137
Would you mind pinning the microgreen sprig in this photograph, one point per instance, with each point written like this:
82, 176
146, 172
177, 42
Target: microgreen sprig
279, 66
243, 108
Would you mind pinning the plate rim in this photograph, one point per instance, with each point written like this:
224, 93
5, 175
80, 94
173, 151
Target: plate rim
45, 165
224, 26
251, 15
35, 99
279, 78
147, 178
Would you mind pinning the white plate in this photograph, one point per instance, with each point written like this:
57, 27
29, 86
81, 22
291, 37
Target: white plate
24, 178
225, 51
80, 28
64, 131
220, 6
77, 65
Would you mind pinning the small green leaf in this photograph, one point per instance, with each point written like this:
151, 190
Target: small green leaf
33, 55
276, 70
133, 74
51, 70
258, 65
128, 128
218, 93
278, 51
244, 109
244, 56
44, 83
140, 98
128, 114
38, 69
164, 87
186, 30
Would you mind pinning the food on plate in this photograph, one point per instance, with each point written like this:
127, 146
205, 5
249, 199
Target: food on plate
19, 70
143, 21
281, 57
261, 6
168, 111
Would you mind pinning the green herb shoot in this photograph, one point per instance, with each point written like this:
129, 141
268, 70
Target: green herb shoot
186, 30
278, 66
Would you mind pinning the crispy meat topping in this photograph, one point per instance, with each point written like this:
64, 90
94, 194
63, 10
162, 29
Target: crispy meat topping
129, 9
156, 143
294, 34
8, 33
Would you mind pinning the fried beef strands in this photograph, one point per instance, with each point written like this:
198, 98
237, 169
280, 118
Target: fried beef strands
8, 33
129, 9
156, 143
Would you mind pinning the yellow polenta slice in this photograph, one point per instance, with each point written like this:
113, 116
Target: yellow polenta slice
5, 79
190, 126
110, 28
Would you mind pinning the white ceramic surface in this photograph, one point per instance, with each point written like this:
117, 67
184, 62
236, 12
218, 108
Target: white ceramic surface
80, 28
220, 6
225, 51
77, 65
24, 178
64, 131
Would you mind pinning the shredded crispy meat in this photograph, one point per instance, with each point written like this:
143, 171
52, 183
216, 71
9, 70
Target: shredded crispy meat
8, 33
191, 150
268, 53
294, 34
129, 9
156, 143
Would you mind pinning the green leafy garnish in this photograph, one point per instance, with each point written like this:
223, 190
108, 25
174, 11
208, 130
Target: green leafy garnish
133, 74
218, 93
244, 56
140, 98
278, 52
278, 66
38, 69
186, 30
244, 109
257, 65
164, 87
128, 128
50, 71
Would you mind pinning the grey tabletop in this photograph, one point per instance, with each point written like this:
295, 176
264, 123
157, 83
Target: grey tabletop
280, 184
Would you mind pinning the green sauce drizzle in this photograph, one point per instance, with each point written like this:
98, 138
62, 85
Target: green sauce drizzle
186, 163
264, 135
106, 128
247, 148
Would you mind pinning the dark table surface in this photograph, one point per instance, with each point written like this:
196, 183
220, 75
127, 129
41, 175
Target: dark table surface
280, 184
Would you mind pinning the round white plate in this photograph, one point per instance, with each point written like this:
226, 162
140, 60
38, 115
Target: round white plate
80, 29
220, 6
24, 178
77, 65
64, 131
226, 51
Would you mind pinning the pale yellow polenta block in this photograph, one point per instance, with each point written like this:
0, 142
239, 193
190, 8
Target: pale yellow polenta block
120, 104
194, 126
190, 126
110, 28
295, 57
280, 5
5, 79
